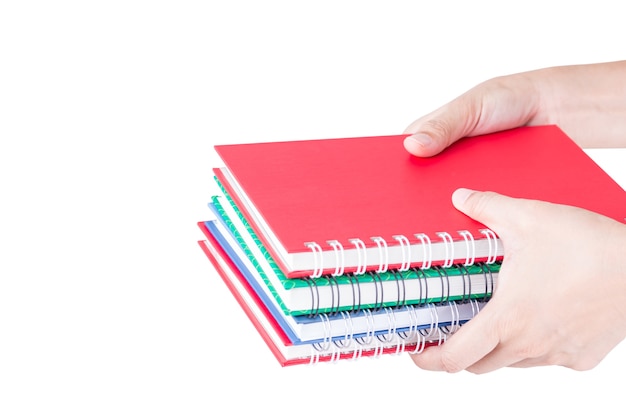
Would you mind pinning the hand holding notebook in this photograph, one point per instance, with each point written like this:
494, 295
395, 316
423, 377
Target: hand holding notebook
355, 223
269, 187
576, 313
354, 205
579, 312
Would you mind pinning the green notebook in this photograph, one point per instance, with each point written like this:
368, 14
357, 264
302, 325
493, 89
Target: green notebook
349, 292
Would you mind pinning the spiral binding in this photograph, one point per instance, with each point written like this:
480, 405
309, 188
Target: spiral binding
455, 322
449, 245
469, 242
405, 247
473, 304
318, 261
445, 284
315, 296
491, 237
356, 291
383, 253
391, 330
422, 284
378, 285
339, 257
434, 323
362, 256
325, 344
489, 286
427, 256
369, 334
333, 288
412, 340
400, 286
467, 282
347, 338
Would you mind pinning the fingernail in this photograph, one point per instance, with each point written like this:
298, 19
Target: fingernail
415, 143
421, 139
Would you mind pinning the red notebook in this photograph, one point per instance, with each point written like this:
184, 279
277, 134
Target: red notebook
332, 206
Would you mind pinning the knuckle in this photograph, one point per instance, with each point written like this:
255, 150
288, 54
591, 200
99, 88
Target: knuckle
480, 202
438, 128
580, 362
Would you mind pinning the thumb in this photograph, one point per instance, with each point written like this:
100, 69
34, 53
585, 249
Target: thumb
437, 130
432, 134
489, 208
497, 104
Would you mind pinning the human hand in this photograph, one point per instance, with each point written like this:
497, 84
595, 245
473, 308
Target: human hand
494, 105
561, 292
588, 102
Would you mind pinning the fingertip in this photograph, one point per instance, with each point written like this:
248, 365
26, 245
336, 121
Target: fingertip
419, 144
438, 358
460, 196
429, 359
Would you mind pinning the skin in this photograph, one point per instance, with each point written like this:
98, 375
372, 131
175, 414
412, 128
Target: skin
564, 324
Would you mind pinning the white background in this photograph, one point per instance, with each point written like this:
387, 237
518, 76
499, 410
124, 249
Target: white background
108, 114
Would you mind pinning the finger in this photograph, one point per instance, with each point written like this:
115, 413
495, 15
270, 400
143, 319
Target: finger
472, 342
497, 104
530, 363
500, 357
429, 359
491, 209
439, 129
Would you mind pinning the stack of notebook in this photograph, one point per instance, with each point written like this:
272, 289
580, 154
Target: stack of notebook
343, 248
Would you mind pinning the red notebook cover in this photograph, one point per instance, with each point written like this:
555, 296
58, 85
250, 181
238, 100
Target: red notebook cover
317, 196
